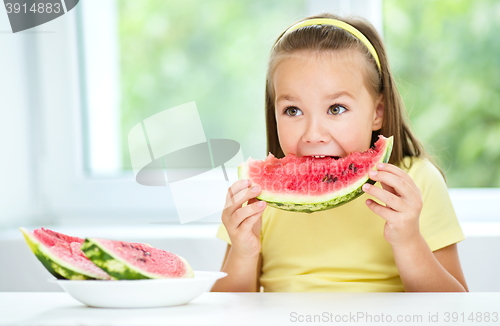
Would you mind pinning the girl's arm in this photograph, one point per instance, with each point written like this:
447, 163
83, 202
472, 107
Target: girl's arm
243, 225
419, 268
242, 274
422, 270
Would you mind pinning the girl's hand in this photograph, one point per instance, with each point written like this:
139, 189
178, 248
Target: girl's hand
243, 224
403, 203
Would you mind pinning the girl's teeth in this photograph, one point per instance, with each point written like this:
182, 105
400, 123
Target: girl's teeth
319, 156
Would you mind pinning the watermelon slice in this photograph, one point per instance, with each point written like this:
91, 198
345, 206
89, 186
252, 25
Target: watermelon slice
62, 256
132, 261
309, 184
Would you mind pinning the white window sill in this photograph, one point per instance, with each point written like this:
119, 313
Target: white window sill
126, 233
207, 231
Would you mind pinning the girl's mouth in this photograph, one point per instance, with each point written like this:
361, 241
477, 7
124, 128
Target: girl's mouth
323, 156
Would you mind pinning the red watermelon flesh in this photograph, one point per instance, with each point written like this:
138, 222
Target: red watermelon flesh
54, 237
67, 250
308, 184
131, 260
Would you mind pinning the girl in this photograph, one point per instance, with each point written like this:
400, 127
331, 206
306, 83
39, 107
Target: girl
330, 92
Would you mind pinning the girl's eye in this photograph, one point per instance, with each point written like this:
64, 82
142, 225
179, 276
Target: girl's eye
293, 111
336, 109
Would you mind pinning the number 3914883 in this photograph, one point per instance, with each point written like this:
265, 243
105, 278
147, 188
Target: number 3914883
36, 8
471, 317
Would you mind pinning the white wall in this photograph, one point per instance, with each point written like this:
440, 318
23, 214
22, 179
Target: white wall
20, 199
21, 270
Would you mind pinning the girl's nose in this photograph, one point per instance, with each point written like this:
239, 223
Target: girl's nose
316, 132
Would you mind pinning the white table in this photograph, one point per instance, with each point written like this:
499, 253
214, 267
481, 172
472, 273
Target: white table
235, 309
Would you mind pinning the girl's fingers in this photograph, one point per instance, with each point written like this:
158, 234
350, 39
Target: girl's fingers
244, 212
252, 200
248, 224
391, 168
236, 200
400, 185
391, 200
385, 212
235, 188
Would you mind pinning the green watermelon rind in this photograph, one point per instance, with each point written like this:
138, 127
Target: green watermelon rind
57, 267
316, 204
117, 267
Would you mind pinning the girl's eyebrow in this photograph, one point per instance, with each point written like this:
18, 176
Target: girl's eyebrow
340, 94
286, 97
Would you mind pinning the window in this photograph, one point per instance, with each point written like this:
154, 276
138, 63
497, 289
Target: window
166, 54
123, 73
446, 57
211, 52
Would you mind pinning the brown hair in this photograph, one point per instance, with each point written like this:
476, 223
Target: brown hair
318, 38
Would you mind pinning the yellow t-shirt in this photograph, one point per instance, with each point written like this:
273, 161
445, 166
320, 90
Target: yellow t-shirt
344, 249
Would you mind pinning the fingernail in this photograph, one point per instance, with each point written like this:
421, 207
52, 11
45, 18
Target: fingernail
368, 202
366, 186
380, 165
262, 204
255, 188
248, 183
373, 173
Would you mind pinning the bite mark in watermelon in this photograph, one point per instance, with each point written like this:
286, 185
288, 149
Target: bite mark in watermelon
309, 184
62, 256
132, 261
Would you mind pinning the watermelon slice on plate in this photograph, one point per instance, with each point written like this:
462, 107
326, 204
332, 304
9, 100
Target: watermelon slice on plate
62, 256
309, 184
133, 261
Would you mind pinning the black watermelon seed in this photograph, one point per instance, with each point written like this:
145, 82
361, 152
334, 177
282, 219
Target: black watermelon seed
142, 259
335, 179
355, 169
344, 172
351, 166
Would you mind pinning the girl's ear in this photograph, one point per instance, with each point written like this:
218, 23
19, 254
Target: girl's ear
378, 115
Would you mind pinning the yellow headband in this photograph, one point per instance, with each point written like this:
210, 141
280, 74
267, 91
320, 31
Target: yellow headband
344, 26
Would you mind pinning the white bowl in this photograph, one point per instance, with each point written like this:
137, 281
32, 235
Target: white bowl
140, 293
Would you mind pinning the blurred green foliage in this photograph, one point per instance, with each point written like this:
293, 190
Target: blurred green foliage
212, 52
446, 57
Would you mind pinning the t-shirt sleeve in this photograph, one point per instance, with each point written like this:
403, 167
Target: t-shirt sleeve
222, 233
438, 222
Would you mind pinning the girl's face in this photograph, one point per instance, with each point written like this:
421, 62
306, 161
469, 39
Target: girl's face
323, 105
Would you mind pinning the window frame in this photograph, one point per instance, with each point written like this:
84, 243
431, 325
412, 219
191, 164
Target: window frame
73, 196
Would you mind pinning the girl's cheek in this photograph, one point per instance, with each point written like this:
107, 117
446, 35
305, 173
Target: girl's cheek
286, 145
290, 133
